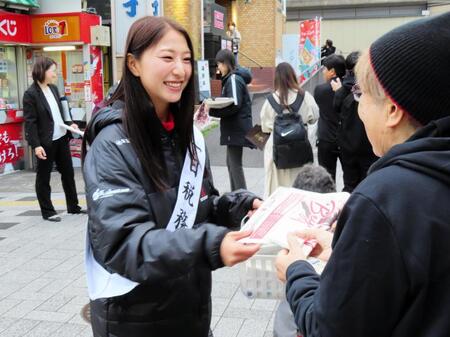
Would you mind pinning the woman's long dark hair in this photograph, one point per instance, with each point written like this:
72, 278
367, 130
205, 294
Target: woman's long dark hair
141, 124
285, 80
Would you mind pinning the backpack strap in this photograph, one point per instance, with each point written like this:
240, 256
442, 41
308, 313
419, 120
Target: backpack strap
276, 106
295, 107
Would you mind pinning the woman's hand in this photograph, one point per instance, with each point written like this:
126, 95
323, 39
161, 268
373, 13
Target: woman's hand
232, 251
40, 153
74, 126
255, 205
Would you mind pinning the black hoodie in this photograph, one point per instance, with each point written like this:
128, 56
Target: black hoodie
389, 273
235, 119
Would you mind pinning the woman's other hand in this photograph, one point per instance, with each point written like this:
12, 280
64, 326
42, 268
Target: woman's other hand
232, 251
74, 126
40, 153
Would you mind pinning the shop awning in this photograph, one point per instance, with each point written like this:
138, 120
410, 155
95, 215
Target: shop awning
27, 3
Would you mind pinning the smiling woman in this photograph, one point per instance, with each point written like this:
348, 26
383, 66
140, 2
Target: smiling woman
157, 226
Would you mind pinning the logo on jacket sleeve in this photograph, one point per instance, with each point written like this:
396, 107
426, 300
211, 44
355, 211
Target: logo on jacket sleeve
101, 194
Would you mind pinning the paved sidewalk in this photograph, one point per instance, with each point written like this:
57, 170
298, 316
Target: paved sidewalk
42, 280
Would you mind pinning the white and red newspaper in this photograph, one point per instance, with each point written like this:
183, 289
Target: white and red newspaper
289, 210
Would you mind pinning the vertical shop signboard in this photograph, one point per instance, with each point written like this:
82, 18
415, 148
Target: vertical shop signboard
309, 49
218, 20
204, 85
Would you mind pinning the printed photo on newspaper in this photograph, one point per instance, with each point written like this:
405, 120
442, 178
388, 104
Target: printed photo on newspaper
288, 210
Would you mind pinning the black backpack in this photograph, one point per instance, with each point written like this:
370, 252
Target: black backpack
291, 147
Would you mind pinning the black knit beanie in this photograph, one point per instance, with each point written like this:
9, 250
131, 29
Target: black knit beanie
412, 64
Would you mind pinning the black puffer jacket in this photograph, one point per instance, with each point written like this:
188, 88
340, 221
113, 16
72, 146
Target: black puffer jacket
127, 220
236, 119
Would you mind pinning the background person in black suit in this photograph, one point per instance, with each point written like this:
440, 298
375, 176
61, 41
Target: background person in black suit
327, 49
355, 149
327, 147
43, 114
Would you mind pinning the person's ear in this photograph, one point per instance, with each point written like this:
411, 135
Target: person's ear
133, 65
332, 72
394, 115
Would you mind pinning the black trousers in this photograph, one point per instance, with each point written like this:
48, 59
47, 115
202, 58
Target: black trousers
328, 153
234, 165
355, 167
59, 153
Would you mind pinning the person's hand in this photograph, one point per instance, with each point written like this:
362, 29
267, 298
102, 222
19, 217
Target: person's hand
336, 84
286, 257
40, 152
75, 126
232, 251
255, 205
322, 250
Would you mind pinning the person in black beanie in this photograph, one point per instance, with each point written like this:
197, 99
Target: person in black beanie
388, 270
356, 153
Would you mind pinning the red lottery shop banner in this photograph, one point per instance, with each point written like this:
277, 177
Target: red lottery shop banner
309, 51
11, 147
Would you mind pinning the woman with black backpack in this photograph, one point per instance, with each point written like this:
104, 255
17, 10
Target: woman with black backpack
288, 96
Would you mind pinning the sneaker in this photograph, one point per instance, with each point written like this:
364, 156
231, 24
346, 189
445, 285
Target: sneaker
53, 218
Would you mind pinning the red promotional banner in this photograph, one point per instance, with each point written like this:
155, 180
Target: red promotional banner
11, 148
96, 74
309, 51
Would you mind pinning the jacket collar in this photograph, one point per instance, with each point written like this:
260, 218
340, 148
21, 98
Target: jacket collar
44, 99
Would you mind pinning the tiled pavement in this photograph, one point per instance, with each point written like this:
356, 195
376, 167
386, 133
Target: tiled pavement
42, 281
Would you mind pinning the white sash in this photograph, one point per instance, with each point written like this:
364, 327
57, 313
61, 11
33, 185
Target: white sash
101, 283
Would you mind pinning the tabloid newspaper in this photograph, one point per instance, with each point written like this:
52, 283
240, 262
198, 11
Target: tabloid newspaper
289, 210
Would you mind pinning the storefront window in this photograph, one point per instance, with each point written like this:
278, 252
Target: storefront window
9, 97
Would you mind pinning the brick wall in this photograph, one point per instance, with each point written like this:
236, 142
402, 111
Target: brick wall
260, 24
187, 13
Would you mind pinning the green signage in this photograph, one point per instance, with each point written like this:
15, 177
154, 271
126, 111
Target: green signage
28, 3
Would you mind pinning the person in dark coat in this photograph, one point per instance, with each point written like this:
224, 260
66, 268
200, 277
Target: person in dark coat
148, 258
388, 270
327, 147
43, 113
327, 49
235, 119
355, 150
